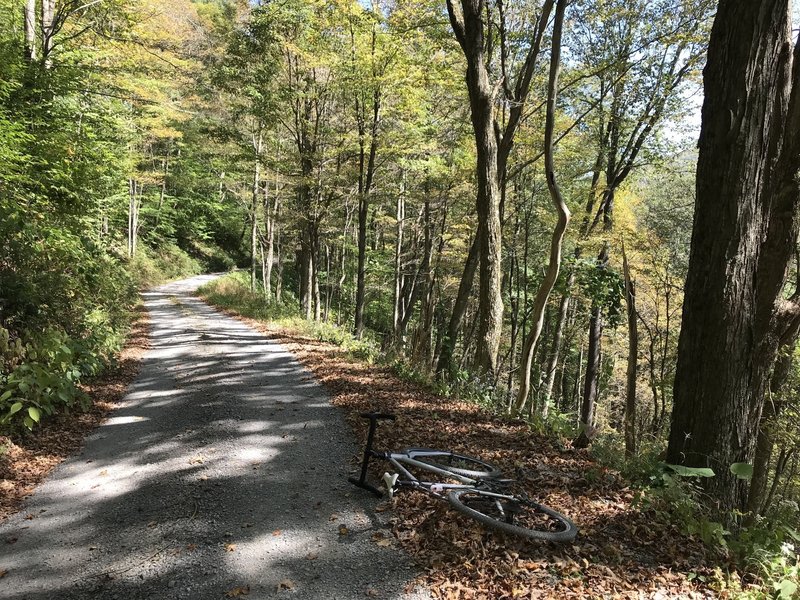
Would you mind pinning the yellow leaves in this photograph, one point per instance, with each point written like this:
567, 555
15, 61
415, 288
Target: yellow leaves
242, 590
343, 530
230, 547
286, 584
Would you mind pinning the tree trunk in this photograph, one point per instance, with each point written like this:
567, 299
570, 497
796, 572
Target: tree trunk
592, 376
771, 411
256, 196
397, 312
29, 23
745, 232
48, 9
633, 355
444, 364
554, 264
555, 348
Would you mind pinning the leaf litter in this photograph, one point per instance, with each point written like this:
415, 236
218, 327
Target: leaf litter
621, 551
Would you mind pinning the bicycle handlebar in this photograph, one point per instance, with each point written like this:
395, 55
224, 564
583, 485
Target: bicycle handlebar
378, 416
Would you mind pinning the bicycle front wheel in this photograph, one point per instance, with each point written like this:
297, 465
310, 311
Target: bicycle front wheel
459, 464
513, 515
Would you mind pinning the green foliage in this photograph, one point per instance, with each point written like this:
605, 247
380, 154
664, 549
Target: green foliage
40, 376
167, 262
602, 285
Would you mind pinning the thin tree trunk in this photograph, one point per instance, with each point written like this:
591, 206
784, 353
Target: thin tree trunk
554, 264
555, 349
633, 354
398, 255
257, 143
591, 378
444, 364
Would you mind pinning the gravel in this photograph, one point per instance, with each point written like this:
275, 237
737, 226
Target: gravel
223, 472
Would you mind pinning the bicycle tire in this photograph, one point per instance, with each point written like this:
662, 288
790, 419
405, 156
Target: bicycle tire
481, 506
459, 464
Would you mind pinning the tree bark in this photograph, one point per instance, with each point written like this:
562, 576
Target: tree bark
745, 231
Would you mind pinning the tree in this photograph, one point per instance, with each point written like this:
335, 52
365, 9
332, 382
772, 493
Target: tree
554, 264
745, 230
473, 23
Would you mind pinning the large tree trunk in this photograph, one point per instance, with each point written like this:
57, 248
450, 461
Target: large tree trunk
745, 231
490, 300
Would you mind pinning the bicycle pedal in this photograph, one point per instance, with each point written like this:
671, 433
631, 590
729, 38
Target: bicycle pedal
389, 481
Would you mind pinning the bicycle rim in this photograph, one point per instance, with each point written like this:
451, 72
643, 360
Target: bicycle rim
460, 464
513, 515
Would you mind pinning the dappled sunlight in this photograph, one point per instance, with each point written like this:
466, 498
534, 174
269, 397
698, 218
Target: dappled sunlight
221, 452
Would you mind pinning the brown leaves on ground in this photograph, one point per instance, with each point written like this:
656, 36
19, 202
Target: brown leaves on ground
29, 457
621, 551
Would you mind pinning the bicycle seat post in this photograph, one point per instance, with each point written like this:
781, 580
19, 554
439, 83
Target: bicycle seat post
368, 452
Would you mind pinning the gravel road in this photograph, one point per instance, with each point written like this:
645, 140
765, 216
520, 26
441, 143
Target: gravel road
222, 472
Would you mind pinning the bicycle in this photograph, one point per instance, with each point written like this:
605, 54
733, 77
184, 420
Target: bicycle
472, 486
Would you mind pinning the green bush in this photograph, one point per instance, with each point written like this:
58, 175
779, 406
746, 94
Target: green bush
152, 267
41, 376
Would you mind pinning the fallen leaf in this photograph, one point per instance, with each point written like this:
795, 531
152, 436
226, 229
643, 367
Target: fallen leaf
312, 556
343, 530
276, 533
372, 593
152, 523
242, 590
286, 584
230, 547
104, 473
3, 573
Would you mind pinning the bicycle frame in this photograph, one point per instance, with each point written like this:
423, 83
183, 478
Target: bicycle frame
401, 460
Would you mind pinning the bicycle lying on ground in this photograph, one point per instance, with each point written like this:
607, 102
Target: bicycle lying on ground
472, 486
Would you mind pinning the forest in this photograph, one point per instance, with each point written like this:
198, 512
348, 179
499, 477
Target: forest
578, 214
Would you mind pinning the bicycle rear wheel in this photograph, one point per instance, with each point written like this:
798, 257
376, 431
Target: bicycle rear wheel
513, 515
460, 464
